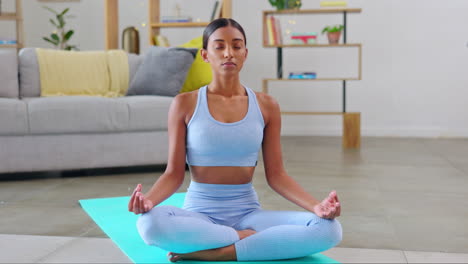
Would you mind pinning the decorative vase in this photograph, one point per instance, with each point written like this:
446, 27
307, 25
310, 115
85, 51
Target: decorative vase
131, 40
334, 37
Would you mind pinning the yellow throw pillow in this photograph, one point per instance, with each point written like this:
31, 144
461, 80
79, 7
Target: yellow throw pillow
199, 73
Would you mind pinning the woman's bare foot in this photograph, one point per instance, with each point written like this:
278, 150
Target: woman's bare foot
218, 254
245, 233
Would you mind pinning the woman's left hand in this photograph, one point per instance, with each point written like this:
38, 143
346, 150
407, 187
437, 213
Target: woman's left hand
329, 208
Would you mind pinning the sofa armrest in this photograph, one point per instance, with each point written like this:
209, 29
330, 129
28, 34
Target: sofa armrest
29, 79
9, 86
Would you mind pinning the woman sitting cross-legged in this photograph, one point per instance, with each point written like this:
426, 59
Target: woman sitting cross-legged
218, 130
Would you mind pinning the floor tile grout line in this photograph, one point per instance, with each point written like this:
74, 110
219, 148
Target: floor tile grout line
404, 255
456, 167
55, 251
72, 240
449, 162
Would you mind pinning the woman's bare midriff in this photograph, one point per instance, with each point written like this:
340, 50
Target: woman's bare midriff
222, 175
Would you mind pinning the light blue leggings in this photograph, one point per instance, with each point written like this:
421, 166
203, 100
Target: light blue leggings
213, 212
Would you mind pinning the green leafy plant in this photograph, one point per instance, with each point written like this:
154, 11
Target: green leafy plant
60, 37
286, 4
331, 29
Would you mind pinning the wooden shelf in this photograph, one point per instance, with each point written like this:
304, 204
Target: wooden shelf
155, 24
351, 126
351, 121
346, 45
9, 46
313, 11
8, 16
111, 11
313, 113
17, 17
357, 45
180, 24
317, 79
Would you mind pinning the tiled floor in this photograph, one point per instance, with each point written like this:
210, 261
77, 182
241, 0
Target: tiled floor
404, 201
55, 249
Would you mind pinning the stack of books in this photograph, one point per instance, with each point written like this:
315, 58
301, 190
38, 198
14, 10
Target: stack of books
302, 75
176, 19
8, 42
274, 35
304, 38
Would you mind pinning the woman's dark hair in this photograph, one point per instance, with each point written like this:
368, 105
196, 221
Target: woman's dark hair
219, 23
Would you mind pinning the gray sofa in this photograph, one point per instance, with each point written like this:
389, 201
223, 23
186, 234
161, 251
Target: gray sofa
74, 132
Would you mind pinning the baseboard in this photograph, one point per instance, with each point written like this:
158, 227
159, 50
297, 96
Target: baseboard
418, 132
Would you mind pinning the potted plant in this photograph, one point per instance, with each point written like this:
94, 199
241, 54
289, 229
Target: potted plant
333, 33
60, 37
286, 4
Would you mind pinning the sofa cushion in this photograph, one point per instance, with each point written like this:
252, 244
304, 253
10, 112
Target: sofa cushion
200, 73
76, 114
134, 62
162, 71
29, 81
9, 86
13, 117
147, 113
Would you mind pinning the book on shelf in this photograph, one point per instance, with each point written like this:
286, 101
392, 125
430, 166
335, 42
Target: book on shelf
176, 19
304, 38
269, 28
331, 3
217, 10
274, 35
279, 34
302, 75
8, 42
274, 32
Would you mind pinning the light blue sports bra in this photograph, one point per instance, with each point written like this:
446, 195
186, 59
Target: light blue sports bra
213, 143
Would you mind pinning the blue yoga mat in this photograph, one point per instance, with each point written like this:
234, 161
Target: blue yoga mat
112, 216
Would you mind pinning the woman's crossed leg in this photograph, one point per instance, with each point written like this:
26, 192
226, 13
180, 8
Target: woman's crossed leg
261, 235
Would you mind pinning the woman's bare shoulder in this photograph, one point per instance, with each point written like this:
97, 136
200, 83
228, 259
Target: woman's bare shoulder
266, 101
185, 99
268, 105
185, 103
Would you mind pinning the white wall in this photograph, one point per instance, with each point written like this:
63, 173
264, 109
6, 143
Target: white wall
415, 59
87, 22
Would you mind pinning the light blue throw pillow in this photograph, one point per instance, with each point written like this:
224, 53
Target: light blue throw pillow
162, 71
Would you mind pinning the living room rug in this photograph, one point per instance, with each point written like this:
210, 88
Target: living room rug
112, 216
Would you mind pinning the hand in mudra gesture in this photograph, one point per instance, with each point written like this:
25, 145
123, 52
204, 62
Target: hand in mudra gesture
138, 203
329, 208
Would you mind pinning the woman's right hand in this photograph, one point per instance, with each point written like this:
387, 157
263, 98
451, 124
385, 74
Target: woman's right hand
329, 208
138, 203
